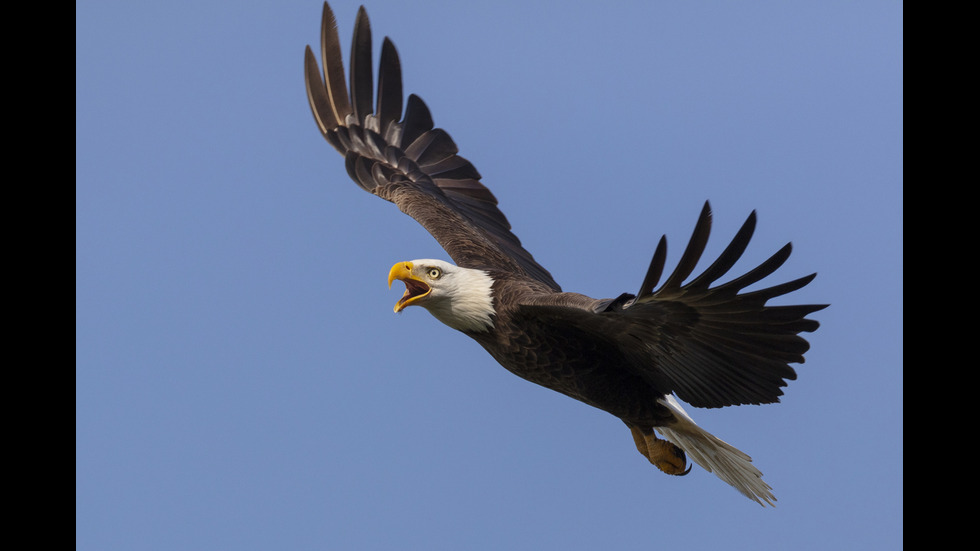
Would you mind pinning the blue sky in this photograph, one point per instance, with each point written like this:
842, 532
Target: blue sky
242, 382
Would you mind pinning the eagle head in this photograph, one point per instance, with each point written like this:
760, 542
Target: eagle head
461, 298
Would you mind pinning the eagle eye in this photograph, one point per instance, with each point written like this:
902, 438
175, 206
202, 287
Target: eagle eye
434, 273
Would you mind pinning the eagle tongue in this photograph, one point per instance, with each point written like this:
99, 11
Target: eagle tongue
413, 288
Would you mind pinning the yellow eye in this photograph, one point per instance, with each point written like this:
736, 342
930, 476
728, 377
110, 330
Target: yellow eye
434, 273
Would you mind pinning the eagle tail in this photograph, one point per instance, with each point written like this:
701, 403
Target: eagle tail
715, 455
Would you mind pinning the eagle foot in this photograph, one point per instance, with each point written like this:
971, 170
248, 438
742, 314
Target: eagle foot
663, 454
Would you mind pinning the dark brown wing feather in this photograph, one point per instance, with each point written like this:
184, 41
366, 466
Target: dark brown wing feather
712, 346
408, 161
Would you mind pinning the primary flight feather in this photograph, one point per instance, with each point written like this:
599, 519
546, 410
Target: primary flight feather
708, 344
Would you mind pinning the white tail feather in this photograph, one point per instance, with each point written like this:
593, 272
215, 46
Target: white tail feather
715, 455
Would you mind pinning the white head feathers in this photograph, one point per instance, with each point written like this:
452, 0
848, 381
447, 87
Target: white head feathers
461, 298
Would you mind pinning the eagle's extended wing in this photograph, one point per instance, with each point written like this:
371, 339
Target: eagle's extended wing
734, 349
712, 346
408, 161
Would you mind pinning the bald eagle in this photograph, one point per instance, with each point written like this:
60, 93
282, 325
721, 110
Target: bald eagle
710, 345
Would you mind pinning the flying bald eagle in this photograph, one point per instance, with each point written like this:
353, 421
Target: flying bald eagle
711, 346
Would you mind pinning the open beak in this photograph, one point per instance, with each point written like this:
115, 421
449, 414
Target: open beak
415, 289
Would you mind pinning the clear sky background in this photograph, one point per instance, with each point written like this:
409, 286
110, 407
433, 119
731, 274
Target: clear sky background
242, 382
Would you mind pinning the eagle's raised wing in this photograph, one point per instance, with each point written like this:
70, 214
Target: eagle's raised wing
408, 161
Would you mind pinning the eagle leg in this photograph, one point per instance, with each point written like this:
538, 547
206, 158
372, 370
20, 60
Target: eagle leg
664, 455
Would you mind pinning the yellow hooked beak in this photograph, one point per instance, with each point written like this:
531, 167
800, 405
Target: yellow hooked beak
415, 288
